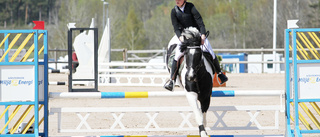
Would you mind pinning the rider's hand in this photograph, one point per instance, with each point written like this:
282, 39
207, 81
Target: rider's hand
203, 38
181, 38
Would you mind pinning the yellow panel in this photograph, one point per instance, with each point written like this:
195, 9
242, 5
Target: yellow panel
4, 111
307, 45
11, 117
310, 44
30, 50
30, 122
4, 40
11, 45
23, 44
310, 115
23, 116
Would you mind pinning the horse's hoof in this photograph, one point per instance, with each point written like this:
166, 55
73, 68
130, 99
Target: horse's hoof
203, 134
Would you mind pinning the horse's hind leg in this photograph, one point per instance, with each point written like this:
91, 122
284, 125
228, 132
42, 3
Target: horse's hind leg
192, 98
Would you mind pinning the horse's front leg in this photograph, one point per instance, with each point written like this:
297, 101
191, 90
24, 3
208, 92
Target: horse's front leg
192, 98
204, 120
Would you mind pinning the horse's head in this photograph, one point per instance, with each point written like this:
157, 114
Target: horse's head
192, 52
191, 38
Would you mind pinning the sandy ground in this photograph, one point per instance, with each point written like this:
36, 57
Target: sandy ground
234, 118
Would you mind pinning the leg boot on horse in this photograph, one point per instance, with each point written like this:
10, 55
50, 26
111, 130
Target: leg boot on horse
174, 71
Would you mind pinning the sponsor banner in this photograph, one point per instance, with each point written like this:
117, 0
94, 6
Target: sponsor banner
308, 81
17, 83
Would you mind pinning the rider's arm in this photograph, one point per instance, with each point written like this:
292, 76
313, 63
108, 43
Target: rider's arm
175, 23
199, 21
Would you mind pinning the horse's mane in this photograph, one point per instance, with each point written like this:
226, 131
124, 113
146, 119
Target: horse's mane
191, 37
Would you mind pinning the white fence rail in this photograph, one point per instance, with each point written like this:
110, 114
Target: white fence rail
119, 123
164, 118
132, 74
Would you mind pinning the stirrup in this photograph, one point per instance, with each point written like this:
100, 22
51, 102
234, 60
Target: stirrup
223, 78
169, 85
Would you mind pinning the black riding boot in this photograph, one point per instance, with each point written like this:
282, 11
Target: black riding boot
223, 78
170, 84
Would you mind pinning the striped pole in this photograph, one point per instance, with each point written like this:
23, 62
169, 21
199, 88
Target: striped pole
186, 136
215, 93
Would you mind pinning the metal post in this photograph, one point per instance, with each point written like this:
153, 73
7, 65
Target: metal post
274, 33
109, 41
103, 16
55, 58
107, 8
95, 59
108, 24
262, 59
70, 60
124, 55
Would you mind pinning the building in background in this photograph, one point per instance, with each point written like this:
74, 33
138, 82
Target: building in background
230, 63
234, 67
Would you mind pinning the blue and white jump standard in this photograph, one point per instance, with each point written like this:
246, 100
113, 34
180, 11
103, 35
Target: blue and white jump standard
296, 91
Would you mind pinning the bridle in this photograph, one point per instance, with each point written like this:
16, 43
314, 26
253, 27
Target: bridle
200, 64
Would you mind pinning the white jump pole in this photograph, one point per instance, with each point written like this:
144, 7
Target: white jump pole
108, 95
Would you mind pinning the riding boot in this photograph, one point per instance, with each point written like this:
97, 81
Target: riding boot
223, 78
170, 84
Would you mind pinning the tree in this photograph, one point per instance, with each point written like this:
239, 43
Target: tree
159, 34
133, 31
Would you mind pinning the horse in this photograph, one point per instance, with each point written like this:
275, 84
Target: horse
196, 76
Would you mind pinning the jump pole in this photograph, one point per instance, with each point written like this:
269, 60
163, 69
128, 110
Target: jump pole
185, 136
141, 94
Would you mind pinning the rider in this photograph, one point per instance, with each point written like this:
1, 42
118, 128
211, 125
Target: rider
185, 15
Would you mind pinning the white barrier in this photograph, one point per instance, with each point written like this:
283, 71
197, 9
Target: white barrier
151, 114
57, 83
66, 71
132, 74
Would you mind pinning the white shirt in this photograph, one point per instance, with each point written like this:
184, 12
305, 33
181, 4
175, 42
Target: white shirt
182, 8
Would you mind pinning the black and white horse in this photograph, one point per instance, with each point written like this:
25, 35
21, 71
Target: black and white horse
196, 76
